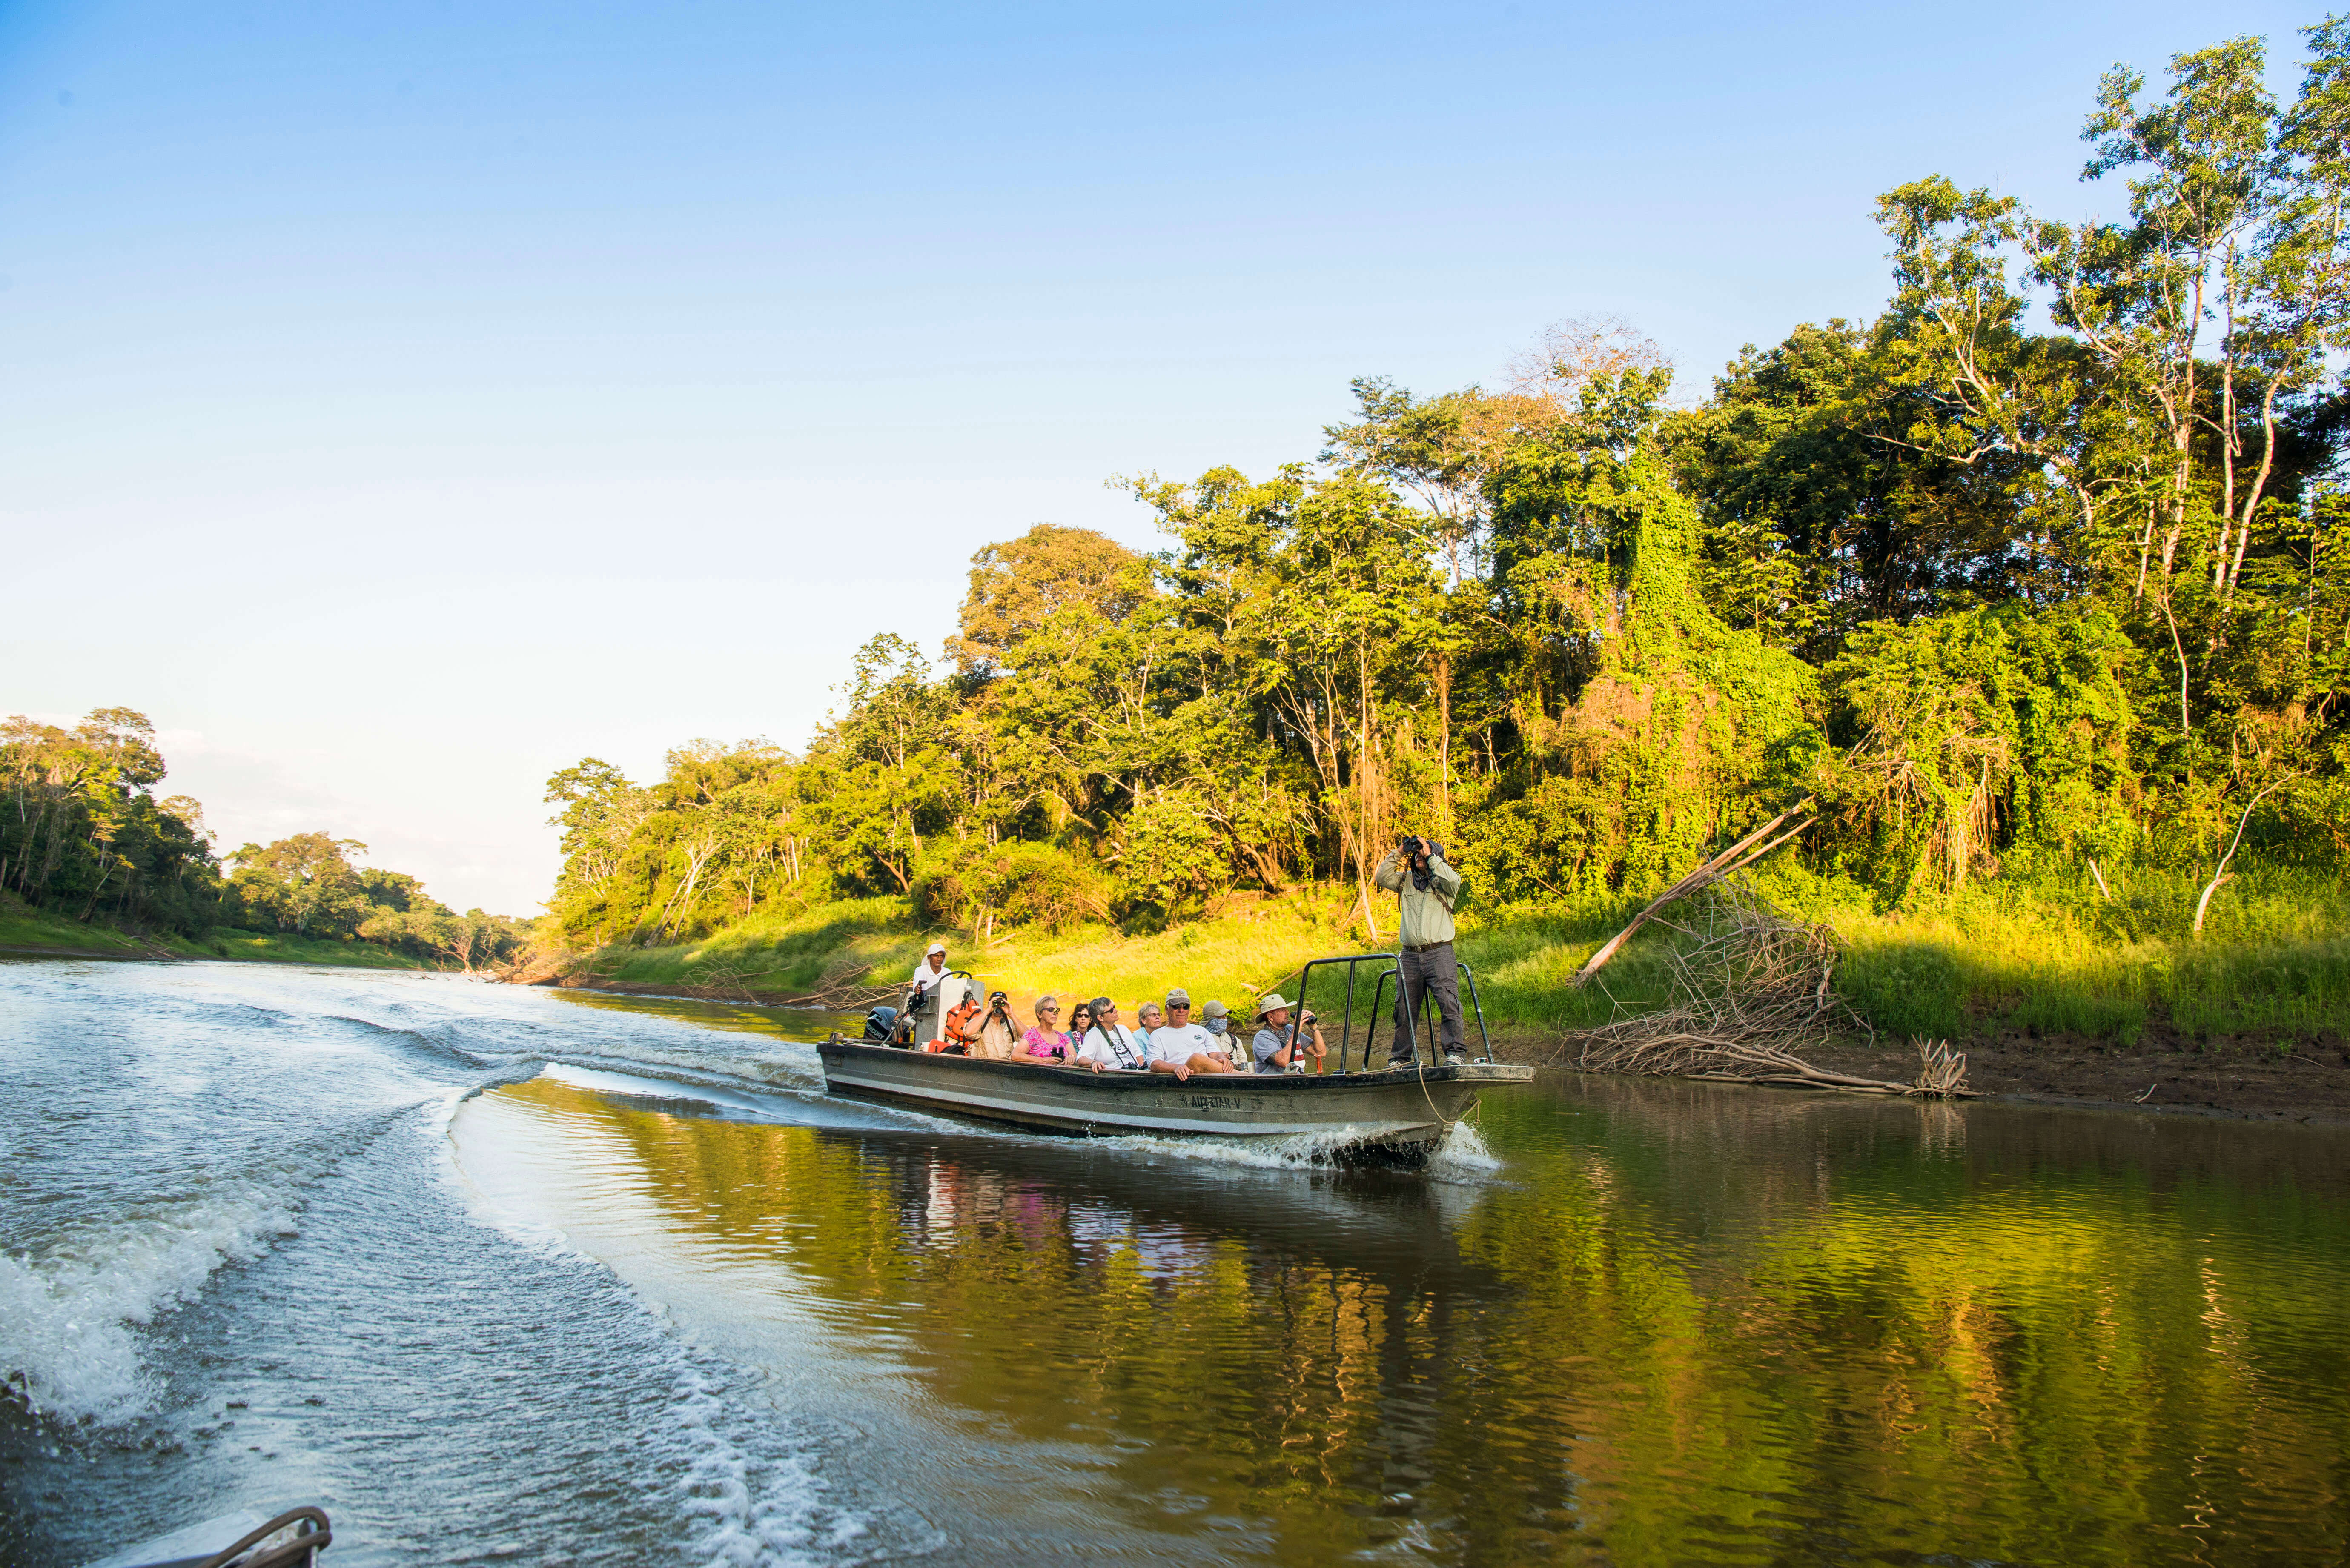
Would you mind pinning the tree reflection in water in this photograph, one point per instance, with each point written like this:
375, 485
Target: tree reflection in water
1682, 1322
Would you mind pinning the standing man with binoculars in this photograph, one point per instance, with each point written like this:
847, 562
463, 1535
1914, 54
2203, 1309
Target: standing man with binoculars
1426, 888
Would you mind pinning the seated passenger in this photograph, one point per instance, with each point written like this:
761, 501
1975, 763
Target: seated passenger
1217, 1020
1108, 1046
999, 1036
1274, 1051
1182, 1047
1046, 1042
1146, 1018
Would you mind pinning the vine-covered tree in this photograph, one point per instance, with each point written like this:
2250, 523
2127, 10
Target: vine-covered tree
2039, 566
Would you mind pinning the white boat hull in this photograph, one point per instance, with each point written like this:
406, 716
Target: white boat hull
1403, 1110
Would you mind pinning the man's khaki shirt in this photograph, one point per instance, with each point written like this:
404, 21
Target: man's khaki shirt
1426, 915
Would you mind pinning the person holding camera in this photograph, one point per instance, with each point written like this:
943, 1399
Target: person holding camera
1275, 1051
1426, 890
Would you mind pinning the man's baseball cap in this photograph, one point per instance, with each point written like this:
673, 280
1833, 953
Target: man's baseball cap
936, 948
1178, 997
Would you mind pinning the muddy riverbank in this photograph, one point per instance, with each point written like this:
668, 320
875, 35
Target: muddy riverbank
2299, 1081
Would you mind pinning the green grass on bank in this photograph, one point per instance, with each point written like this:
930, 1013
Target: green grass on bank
22, 926
2273, 963
269, 947
1250, 945
1996, 960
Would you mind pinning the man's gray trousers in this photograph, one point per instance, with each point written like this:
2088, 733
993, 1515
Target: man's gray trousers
1427, 972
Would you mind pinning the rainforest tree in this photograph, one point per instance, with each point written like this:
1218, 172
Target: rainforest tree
2038, 568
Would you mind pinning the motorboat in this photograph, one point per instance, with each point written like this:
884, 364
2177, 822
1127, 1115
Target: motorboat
1391, 1111
246, 1538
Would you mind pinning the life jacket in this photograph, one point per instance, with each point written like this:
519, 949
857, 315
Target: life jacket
961, 1029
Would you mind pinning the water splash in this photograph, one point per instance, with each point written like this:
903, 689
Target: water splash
1323, 1148
68, 1318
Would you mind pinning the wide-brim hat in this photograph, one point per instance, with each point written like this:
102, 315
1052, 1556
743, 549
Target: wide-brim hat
1271, 1000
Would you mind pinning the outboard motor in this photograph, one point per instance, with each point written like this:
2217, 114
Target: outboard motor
880, 1024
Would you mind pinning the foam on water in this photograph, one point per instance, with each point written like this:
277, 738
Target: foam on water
1461, 1156
745, 1482
69, 1318
746, 1509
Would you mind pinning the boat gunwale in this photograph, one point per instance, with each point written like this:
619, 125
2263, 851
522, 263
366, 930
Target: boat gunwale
1127, 1081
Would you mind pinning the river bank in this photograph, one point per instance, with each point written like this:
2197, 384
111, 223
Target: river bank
2257, 1081
36, 934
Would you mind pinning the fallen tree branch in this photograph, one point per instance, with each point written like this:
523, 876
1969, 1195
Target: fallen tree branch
1752, 989
1731, 860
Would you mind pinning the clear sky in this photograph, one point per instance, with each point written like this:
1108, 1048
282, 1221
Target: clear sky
398, 402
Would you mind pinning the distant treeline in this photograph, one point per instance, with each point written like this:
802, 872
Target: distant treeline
82, 833
2006, 600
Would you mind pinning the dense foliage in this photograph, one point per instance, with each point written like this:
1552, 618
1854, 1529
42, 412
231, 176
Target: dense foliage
2038, 569
82, 833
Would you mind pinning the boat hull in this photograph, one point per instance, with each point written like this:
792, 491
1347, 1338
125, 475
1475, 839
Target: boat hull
1402, 1110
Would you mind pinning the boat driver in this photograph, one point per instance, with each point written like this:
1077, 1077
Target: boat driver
932, 970
1110, 1046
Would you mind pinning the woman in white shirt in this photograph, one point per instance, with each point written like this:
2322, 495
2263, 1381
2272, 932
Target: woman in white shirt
1110, 1046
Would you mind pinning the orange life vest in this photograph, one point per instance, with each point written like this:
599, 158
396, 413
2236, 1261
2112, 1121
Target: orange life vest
961, 1028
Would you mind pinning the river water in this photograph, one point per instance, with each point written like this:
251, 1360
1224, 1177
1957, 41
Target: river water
516, 1276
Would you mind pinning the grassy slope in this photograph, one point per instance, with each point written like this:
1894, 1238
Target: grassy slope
260, 947
22, 926
2273, 965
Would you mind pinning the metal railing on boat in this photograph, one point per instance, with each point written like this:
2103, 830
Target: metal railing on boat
1378, 991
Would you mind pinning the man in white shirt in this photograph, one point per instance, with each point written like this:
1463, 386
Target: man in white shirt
1180, 1046
932, 970
1108, 1046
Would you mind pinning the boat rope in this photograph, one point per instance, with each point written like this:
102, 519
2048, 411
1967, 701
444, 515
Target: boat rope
1420, 1064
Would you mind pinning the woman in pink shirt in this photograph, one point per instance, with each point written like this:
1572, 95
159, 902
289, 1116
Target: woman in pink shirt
1046, 1042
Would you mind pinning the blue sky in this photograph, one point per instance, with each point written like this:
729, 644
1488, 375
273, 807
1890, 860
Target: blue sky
401, 401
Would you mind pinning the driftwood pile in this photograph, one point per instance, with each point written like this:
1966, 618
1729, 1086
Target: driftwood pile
1750, 989
842, 988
